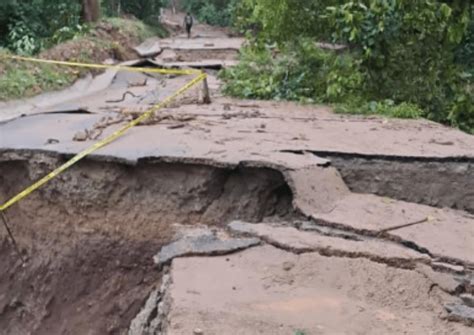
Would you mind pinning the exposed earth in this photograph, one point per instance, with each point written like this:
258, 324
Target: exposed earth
235, 217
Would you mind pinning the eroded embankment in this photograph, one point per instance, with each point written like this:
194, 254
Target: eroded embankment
436, 182
90, 234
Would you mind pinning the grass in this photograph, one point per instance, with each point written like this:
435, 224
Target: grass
137, 29
22, 80
385, 108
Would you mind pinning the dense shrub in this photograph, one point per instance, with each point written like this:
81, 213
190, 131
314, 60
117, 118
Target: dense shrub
283, 20
403, 58
406, 49
299, 71
465, 51
461, 113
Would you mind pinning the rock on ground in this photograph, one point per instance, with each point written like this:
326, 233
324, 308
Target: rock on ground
202, 243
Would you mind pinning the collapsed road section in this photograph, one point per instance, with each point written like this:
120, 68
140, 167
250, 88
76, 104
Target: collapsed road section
89, 235
169, 246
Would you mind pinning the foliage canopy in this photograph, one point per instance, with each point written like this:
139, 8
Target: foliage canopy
28, 26
415, 54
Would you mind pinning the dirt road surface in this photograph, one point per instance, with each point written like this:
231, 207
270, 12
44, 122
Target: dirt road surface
358, 225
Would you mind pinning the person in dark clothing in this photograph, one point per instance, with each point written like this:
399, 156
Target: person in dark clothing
188, 22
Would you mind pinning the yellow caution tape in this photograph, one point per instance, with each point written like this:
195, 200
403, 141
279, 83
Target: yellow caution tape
201, 76
103, 66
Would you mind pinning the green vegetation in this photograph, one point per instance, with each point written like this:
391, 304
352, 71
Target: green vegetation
18, 80
465, 51
147, 11
402, 58
136, 29
214, 12
30, 26
386, 108
21, 79
297, 71
55, 30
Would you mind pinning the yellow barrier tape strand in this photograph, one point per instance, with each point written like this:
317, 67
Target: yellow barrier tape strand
103, 66
101, 144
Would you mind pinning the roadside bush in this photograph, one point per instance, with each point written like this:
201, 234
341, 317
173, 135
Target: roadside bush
461, 113
305, 73
265, 73
408, 58
404, 58
298, 71
386, 108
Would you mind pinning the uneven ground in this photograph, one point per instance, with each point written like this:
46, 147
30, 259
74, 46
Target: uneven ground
111, 40
238, 217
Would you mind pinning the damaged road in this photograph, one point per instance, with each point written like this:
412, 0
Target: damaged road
235, 217
267, 290
303, 280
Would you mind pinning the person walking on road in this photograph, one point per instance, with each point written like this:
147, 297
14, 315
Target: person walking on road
188, 22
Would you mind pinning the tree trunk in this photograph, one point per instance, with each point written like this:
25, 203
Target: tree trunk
90, 10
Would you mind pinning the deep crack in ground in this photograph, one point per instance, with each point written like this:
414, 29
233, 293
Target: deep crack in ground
90, 235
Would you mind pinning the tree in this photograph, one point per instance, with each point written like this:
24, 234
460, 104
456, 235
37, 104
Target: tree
399, 52
90, 10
